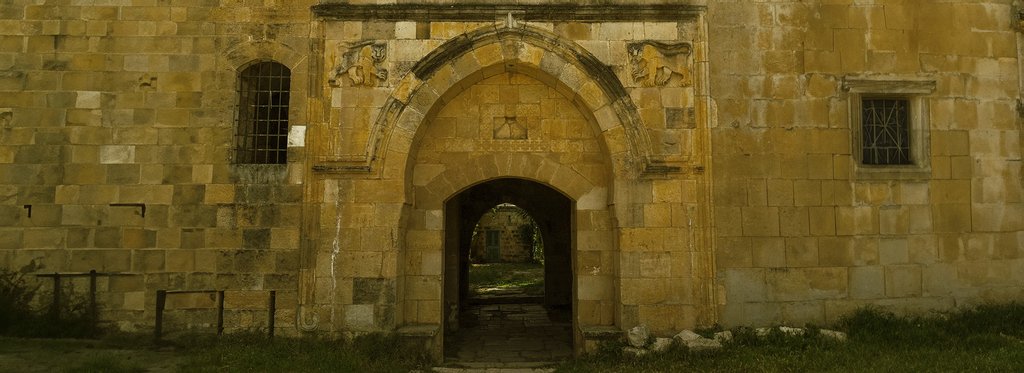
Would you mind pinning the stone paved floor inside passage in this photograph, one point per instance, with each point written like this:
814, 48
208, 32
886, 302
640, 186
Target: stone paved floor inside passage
511, 333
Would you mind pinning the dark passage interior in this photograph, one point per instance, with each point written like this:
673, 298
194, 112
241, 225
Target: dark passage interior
513, 327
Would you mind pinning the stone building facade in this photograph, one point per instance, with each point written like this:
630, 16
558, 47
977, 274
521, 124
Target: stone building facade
694, 162
504, 234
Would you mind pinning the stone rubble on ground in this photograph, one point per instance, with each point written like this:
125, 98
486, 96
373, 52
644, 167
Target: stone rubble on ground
697, 342
661, 344
832, 334
790, 331
723, 336
639, 338
687, 335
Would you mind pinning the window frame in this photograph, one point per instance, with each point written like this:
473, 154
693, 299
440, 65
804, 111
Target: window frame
915, 91
247, 126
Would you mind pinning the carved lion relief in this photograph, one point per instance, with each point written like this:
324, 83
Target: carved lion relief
655, 63
362, 63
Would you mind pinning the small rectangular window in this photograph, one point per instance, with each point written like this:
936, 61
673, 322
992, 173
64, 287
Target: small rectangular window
886, 132
262, 133
889, 127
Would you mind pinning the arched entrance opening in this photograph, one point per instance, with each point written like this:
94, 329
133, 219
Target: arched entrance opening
524, 329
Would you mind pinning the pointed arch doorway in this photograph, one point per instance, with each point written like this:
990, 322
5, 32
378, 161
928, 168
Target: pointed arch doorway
510, 330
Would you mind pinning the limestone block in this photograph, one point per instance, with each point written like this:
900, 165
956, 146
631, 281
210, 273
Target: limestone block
779, 192
745, 285
148, 261
950, 217
893, 251
836, 251
757, 192
794, 221
807, 283
801, 252
134, 300
359, 317
768, 252
997, 217
180, 261
734, 252
655, 264
923, 249
246, 299
643, 291
893, 219
113, 154
138, 238
856, 220
405, 30
903, 281
760, 221
423, 287
658, 215
42, 239
100, 260
950, 142
867, 282
920, 219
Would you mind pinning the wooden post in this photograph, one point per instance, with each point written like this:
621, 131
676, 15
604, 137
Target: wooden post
161, 299
272, 308
56, 296
93, 314
220, 312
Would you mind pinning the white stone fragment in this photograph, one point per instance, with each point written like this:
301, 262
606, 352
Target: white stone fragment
723, 336
638, 336
661, 344
833, 335
296, 136
792, 331
687, 335
703, 344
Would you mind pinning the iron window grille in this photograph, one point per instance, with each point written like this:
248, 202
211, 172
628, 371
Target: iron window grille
263, 93
886, 131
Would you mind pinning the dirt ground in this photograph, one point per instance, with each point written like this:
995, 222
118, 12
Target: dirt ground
60, 355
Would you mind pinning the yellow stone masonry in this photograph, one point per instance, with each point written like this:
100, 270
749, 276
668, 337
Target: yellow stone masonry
697, 162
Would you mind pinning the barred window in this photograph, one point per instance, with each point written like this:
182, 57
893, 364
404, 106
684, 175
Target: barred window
889, 127
886, 131
262, 133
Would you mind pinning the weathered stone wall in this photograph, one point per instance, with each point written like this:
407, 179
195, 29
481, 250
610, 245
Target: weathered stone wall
119, 109
804, 234
117, 124
510, 223
428, 123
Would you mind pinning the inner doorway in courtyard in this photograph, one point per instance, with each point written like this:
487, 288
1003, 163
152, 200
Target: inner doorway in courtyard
506, 257
509, 300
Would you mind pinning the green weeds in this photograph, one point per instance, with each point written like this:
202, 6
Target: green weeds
985, 338
249, 353
20, 317
527, 278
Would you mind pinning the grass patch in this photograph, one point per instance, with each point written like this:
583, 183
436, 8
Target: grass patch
986, 338
527, 278
107, 363
250, 353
